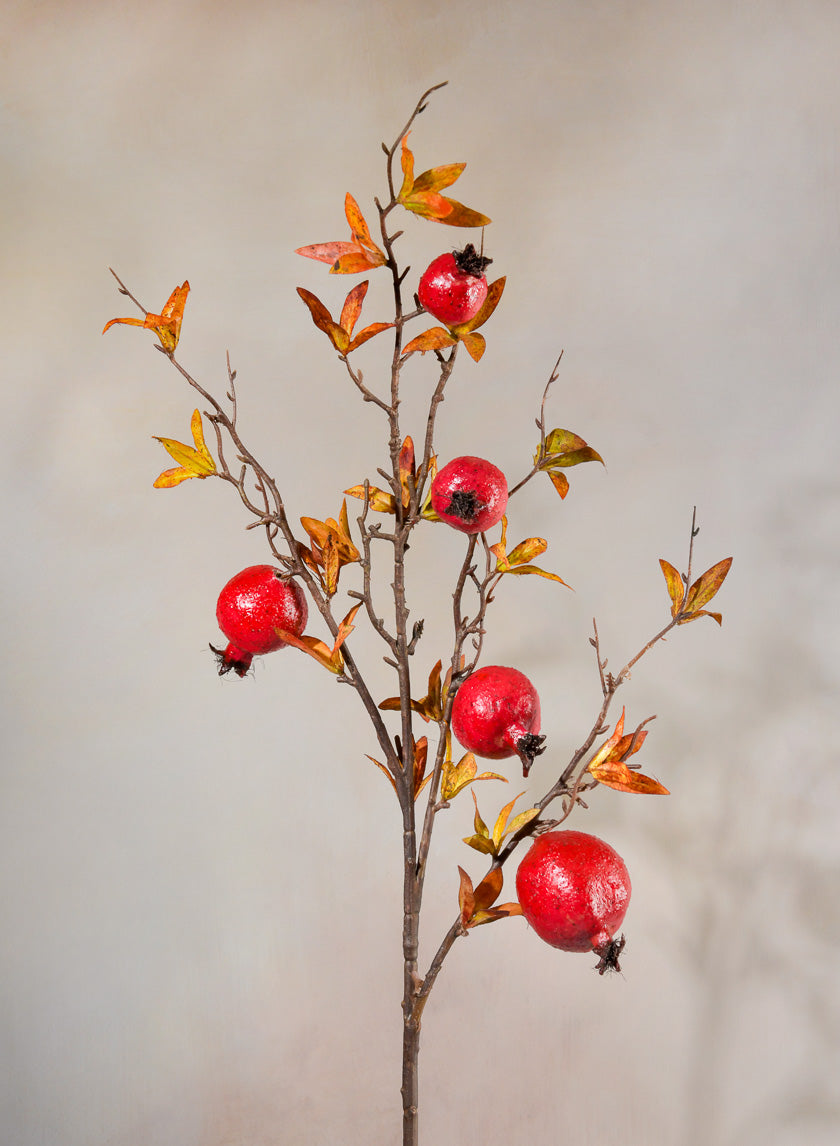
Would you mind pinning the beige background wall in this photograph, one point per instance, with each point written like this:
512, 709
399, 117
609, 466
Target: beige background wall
200, 878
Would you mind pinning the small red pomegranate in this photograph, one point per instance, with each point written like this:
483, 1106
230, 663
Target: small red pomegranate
574, 890
251, 607
496, 713
453, 287
470, 494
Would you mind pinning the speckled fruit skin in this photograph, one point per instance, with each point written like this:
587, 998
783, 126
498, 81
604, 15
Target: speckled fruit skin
574, 890
470, 494
494, 710
450, 294
250, 608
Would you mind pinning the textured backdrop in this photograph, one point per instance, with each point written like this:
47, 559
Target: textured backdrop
200, 878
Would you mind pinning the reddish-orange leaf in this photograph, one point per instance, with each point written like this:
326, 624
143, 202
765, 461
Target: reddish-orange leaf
707, 585
422, 195
167, 324
616, 774
406, 469
466, 897
435, 339
489, 889
361, 232
368, 332
421, 751
676, 587
323, 320
353, 306
362, 254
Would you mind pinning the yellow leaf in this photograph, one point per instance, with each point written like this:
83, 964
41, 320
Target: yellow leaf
378, 499
527, 550
676, 587
194, 461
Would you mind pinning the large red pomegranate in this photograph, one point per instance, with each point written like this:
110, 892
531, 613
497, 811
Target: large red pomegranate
251, 607
496, 713
574, 889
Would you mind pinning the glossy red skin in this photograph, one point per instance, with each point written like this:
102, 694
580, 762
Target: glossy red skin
253, 604
573, 889
450, 294
493, 709
470, 479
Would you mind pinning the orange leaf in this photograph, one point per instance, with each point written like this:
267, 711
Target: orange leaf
435, 339
323, 320
489, 889
362, 254
494, 294
475, 344
617, 775
353, 306
421, 195
167, 324
330, 658
369, 331
378, 499
466, 897
384, 770
559, 481
707, 585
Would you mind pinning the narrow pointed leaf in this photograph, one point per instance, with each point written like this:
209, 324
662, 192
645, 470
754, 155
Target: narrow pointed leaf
386, 772
527, 550
323, 320
617, 775
353, 306
369, 332
167, 324
479, 824
676, 586
436, 178
701, 613
521, 820
466, 897
327, 252
481, 844
378, 499
435, 339
488, 891
559, 481
707, 585
501, 821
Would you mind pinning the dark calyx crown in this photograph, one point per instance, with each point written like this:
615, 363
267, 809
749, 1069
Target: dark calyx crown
466, 505
471, 262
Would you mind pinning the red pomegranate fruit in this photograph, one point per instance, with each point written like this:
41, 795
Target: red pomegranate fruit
251, 607
574, 889
496, 713
470, 494
453, 287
